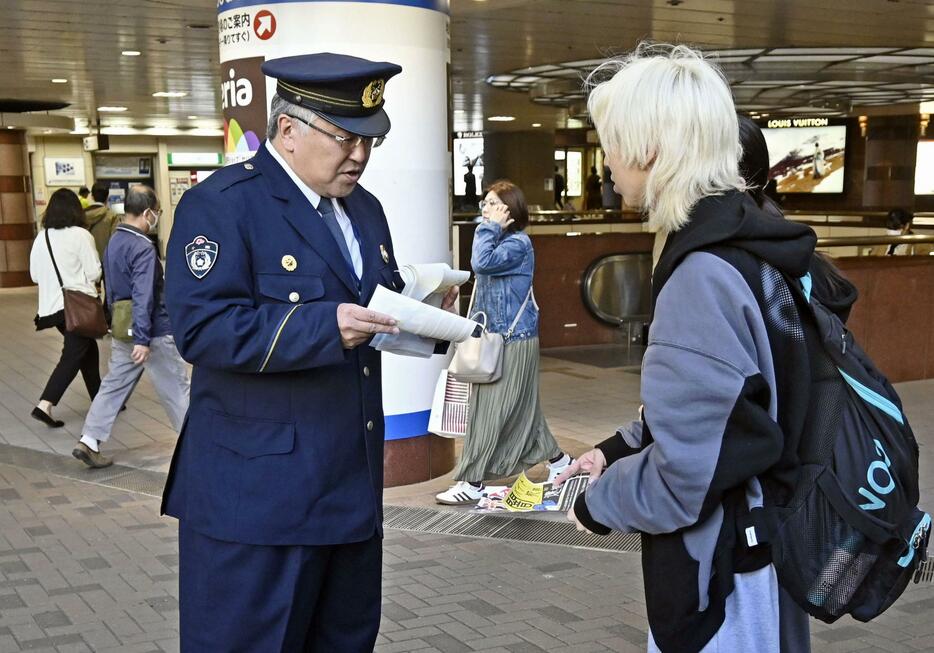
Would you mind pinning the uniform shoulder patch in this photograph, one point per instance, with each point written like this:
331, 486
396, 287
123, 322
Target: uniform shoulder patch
201, 254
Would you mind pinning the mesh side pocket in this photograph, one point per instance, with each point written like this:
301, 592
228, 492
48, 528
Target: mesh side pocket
821, 560
889, 578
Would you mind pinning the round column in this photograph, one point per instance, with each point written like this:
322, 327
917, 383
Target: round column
16, 224
410, 173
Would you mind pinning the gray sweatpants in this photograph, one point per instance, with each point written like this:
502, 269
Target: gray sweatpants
167, 372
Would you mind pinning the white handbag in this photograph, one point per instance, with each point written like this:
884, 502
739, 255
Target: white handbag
480, 359
450, 407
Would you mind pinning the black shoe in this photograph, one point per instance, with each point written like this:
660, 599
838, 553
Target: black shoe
45, 418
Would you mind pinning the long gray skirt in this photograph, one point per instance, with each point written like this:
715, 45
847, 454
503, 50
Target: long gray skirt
506, 430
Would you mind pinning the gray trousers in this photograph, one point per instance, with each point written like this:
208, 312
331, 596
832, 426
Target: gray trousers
167, 372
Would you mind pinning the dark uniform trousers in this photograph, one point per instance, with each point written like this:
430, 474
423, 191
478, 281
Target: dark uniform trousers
238, 597
277, 477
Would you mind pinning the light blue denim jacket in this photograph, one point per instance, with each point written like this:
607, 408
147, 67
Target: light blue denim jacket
504, 264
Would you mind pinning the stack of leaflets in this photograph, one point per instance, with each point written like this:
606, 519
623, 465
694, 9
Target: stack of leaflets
528, 496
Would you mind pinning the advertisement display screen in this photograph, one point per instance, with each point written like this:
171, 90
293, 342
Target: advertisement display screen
806, 154
468, 159
924, 169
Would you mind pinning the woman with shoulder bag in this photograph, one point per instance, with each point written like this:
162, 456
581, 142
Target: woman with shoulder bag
506, 431
64, 237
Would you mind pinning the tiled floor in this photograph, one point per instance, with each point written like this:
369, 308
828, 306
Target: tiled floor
84, 567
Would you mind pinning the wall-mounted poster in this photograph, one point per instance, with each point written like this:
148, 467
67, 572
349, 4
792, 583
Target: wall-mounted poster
64, 171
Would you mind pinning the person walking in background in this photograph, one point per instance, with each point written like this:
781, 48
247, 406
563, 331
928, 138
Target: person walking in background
506, 430
99, 219
559, 189
470, 188
594, 190
722, 368
83, 193
133, 272
74, 253
898, 223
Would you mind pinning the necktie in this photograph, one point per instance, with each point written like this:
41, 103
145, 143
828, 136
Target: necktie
326, 209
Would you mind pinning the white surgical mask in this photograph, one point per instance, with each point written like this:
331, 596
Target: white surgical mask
152, 225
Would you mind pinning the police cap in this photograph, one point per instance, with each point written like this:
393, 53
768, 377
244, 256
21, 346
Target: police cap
346, 91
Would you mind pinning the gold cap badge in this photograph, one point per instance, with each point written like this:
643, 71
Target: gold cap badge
373, 93
384, 253
289, 262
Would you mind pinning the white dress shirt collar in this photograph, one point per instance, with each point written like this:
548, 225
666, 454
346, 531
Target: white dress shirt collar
312, 196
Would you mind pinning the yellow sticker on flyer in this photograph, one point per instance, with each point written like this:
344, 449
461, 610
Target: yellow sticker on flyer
524, 494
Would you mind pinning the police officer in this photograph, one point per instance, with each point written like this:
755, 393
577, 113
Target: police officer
277, 478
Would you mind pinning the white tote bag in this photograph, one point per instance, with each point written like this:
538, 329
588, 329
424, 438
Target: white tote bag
450, 407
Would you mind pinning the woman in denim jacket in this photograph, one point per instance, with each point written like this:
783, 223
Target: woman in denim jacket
506, 432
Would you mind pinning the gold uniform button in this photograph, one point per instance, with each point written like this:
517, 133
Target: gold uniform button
369, 425
293, 297
366, 371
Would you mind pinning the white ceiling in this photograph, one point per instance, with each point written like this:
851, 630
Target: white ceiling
81, 40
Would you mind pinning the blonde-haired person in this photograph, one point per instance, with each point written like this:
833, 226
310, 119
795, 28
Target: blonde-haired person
507, 432
718, 377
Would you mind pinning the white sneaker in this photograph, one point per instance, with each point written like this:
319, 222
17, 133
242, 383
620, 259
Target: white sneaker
555, 469
460, 494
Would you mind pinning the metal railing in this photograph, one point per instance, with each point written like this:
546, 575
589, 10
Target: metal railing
846, 218
858, 241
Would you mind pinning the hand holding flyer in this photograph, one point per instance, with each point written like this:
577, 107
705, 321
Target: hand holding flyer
417, 310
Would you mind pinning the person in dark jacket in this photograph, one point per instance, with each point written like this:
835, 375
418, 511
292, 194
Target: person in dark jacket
593, 190
133, 272
721, 373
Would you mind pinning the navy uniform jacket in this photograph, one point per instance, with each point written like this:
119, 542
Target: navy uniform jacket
283, 443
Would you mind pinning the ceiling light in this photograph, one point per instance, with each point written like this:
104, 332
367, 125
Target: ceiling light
111, 109
169, 94
131, 53
536, 124
59, 80
122, 130
501, 118
192, 117
162, 131
10, 127
205, 131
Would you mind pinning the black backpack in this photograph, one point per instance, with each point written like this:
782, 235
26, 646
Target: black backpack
849, 535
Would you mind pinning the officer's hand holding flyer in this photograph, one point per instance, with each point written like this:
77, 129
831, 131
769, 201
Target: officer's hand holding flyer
417, 311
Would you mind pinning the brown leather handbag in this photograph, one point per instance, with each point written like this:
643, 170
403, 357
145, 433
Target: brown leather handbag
84, 314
